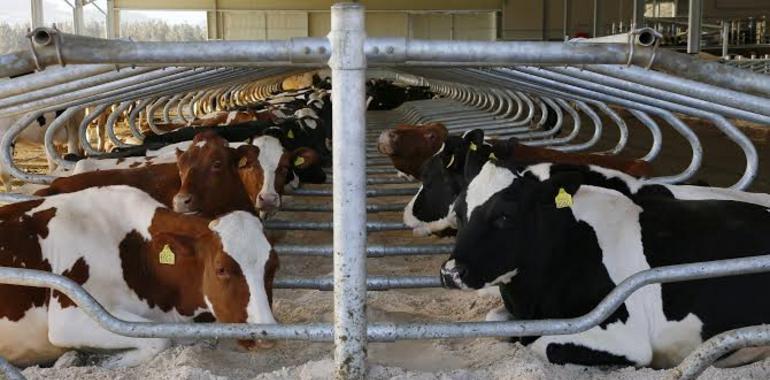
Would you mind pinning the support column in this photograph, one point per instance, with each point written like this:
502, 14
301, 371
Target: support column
36, 19
694, 26
348, 66
595, 32
638, 15
113, 20
77, 18
565, 27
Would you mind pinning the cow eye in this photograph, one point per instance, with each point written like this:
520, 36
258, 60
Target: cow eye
222, 273
216, 165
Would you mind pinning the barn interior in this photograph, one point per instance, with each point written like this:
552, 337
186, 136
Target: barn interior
681, 85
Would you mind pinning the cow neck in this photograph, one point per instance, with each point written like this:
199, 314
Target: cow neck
176, 286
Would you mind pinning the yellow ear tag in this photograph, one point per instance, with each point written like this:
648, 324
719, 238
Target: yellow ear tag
290, 134
563, 199
492, 157
242, 163
299, 161
166, 256
473, 147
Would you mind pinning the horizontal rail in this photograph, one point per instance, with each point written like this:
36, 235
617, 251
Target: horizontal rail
371, 251
328, 226
374, 283
328, 208
384, 332
369, 193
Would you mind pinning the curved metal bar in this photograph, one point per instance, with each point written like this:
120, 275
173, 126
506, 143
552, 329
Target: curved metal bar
576, 123
150, 114
137, 111
195, 100
83, 129
657, 137
720, 122
717, 347
55, 126
570, 90
167, 107
6, 151
622, 127
112, 119
180, 107
610, 303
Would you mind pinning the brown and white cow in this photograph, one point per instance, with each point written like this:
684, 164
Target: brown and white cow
409, 146
206, 177
141, 261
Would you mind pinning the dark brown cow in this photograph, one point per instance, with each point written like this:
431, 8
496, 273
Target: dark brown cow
141, 261
409, 146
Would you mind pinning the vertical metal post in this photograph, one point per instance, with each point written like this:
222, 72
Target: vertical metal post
725, 37
694, 26
638, 15
36, 13
77, 17
113, 23
596, 20
348, 66
566, 20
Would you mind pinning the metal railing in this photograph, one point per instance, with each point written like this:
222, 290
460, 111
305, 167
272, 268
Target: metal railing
509, 97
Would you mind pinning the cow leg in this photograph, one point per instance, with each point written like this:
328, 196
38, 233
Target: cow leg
71, 328
101, 132
618, 344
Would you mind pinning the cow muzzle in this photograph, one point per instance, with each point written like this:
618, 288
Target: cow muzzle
451, 275
184, 203
385, 142
268, 202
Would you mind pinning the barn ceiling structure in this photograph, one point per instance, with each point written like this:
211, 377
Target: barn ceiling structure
472, 53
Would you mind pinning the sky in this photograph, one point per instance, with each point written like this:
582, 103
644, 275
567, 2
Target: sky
18, 11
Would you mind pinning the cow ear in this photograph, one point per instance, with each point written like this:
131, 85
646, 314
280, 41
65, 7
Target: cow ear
475, 137
302, 158
178, 152
168, 248
561, 187
247, 156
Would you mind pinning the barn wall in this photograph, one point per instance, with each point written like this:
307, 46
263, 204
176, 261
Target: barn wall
274, 19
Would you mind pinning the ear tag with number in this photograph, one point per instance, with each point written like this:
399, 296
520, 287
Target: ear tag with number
299, 161
473, 147
166, 256
290, 134
563, 199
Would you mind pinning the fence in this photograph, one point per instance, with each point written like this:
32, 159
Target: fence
500, 85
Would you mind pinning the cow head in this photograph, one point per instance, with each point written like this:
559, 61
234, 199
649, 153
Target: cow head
210, 181
444, 176
264, 171
306, 166
409, 146
507, 220
238, 273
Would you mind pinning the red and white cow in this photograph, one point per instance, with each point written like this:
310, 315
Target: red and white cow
141, 261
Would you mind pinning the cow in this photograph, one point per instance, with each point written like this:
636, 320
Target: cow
139, 260
220, 190
560, 237
449, 171
35, 133
409, 146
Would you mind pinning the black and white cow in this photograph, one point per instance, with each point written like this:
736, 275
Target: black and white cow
560, 259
